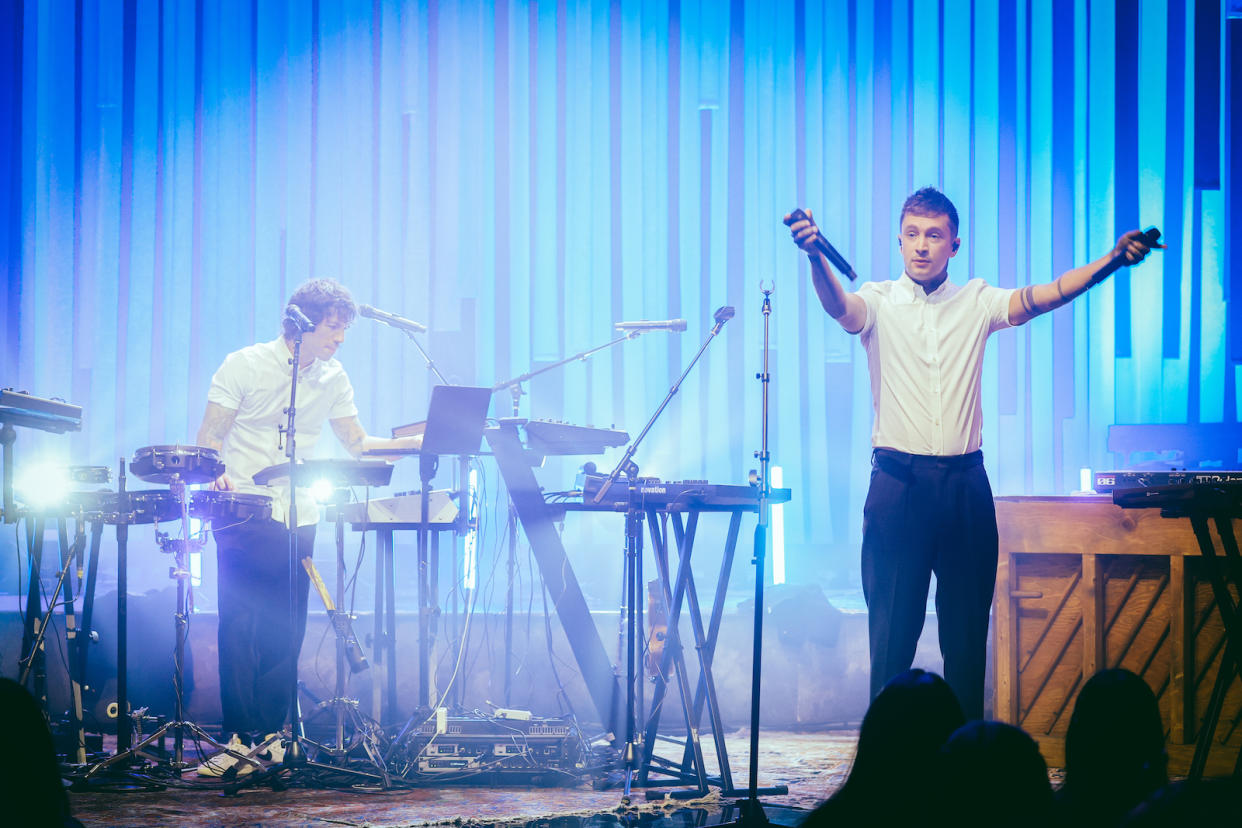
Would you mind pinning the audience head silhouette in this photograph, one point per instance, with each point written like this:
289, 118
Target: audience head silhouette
1114, 748
992, 773
897, 746
30, 784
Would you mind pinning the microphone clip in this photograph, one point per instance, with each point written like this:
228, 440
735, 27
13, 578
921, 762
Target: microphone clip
300, 320
721, 316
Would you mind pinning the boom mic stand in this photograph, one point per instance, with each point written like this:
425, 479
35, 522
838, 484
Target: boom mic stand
511, 529
431, 365
633, 557
515, 385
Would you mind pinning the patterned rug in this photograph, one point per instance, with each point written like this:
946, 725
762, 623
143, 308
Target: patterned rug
811, 764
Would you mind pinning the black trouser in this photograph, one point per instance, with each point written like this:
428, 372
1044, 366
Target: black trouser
923, 515
259, 639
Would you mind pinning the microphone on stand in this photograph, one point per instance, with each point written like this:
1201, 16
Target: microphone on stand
398, 322
294, 314
822, 245
676, 325
722, 315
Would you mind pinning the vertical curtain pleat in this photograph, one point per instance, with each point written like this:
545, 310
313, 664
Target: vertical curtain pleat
522, 175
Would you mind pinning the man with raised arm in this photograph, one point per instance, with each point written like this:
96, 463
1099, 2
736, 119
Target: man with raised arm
929, 506
246, 409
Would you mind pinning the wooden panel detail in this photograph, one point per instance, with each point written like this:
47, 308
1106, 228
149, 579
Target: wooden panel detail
1083, 585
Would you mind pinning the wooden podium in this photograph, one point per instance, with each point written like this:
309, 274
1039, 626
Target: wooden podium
1083, 585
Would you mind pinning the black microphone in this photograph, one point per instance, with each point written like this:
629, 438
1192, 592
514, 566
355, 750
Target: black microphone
1151, 237
294, 314
722, 315
652, 325
822, 245
398, 322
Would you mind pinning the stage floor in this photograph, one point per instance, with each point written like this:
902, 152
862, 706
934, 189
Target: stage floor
813, 765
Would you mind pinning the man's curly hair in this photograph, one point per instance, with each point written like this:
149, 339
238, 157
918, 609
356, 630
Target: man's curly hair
929, 202
320, 298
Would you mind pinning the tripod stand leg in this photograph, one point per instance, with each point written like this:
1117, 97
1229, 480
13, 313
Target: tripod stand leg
369, 734
390, 623
424, 619
673, 644
510, 569
32, 630
40, 623
123, 732
340, 602
640, 633
707, 653
633, 553
181, 628
178, 728
68, 555
377, 634
88, 603
433, 619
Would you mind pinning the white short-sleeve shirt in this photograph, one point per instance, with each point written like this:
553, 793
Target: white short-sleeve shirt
925, 357
254, 382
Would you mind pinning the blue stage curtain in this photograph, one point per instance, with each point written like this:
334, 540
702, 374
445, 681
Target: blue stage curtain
520, 175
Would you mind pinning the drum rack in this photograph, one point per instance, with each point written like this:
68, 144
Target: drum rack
176, 466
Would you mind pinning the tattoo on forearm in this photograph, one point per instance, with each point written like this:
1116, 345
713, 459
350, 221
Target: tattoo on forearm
1027, 296
352, 435
216, 424
1061, 292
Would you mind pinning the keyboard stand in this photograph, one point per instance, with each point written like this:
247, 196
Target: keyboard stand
1204, 504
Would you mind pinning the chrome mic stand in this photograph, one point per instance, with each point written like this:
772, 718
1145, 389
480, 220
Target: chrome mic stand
751, 809
295, 753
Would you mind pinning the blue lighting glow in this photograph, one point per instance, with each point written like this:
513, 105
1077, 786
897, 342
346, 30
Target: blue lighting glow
519, 176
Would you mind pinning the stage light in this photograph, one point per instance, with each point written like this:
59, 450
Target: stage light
778, 531
42, 485
471, 545
322, 490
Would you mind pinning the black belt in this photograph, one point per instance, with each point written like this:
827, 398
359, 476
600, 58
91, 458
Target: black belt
900, 464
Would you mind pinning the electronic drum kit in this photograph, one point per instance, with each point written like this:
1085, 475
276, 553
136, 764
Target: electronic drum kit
177, 467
